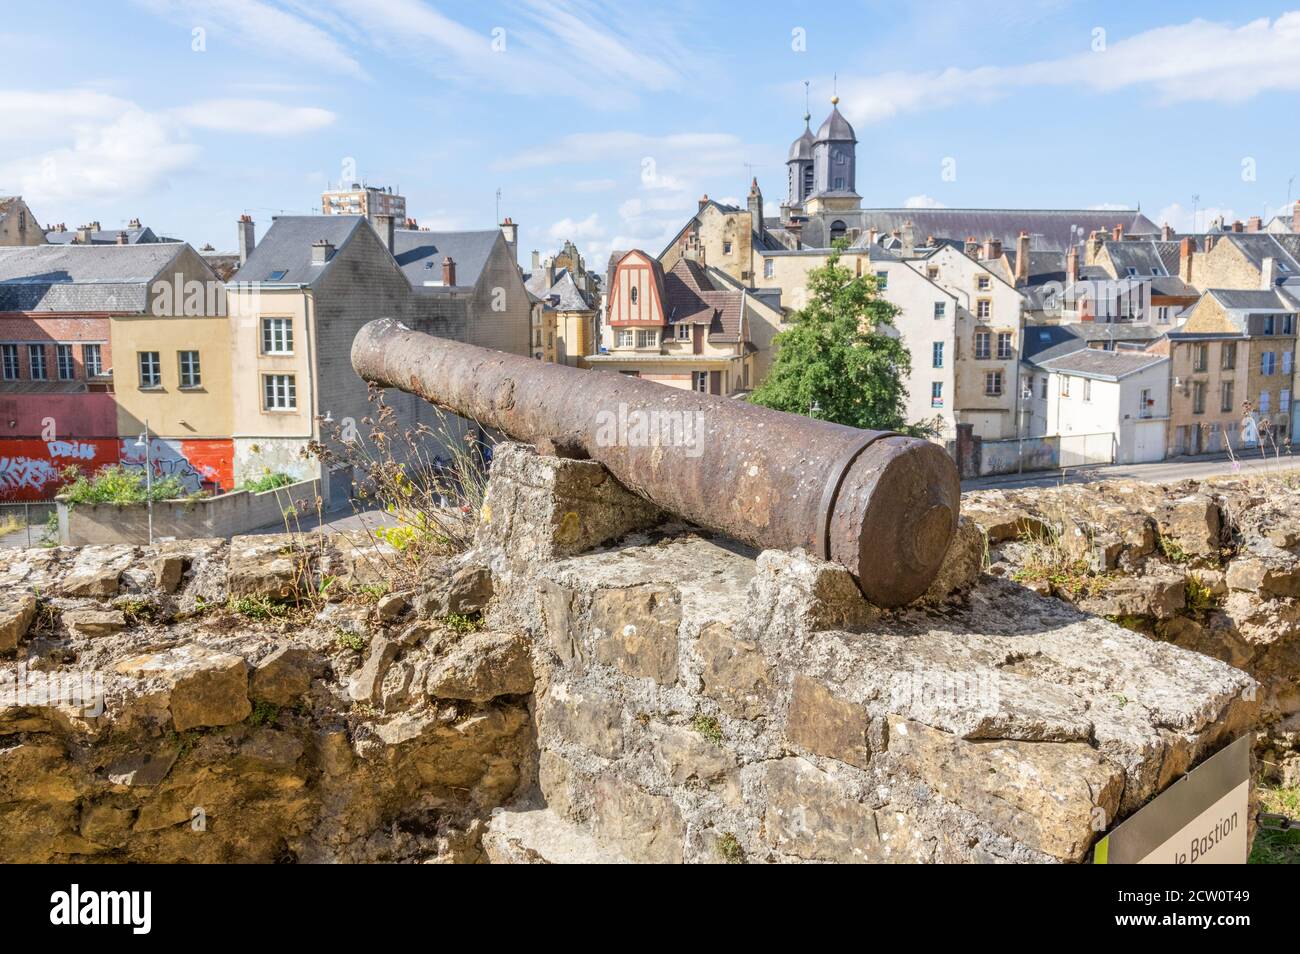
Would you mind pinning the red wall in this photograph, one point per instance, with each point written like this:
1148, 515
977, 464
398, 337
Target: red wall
29, 469
89, 415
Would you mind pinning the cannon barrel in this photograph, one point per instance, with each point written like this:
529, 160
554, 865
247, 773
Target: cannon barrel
882, 505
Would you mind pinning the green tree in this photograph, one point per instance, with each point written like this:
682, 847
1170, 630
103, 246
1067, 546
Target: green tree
840, 357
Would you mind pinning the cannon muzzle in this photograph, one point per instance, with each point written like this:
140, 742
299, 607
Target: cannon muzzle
882, 505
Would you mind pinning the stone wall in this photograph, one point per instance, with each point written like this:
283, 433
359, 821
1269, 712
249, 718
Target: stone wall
698, 702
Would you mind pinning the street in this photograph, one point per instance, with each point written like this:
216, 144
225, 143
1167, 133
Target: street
1161, 472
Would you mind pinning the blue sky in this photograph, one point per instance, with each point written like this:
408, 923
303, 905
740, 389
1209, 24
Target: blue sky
604, 123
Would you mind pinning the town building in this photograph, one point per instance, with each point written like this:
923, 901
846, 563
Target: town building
92, 233
690, 327
17, 224
371, 202
93, 342
569, 295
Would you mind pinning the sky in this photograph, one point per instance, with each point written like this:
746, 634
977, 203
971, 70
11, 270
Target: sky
604, 123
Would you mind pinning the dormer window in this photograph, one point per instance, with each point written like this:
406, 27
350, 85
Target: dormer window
277, 275
631, 295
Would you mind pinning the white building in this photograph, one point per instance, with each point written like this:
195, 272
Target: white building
1094, 392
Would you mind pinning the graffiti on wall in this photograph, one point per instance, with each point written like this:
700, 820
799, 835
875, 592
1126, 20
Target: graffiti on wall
33, 469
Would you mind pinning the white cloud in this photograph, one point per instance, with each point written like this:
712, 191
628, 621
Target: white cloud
259, 26
255, 116
922, 201
568, 228
1181, 218
1198, 61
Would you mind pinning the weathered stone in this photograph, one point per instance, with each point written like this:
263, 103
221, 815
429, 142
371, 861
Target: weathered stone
267, 565
683, 755
364, 684
962, 564
646, 828
1193, 524
94, 622
1047, 795
203, 687
145, 769
391, 606
463, 592
106, 824
635, 630
168, 568
542, 837
555, 603
1158, 597
734, 672
285, 676
481, 667
825, 725
16, 615
809, 815
1002, 521
1271, 573
96, 572
594, 723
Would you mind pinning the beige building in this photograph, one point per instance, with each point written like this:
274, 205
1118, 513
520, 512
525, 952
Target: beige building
17, 224
372, 202
565, 330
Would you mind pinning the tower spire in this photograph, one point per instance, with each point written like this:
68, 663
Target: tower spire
835, 89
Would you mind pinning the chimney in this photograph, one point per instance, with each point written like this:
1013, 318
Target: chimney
386, 225
1166, 233
550, 273
1268, 273
1072, 265
511, 232
537, 261
1295, 217
1254, 224
704, 200
755, 205
972, 246
121, 238
84, 234
321, 250
1022, 258
1237, 226
1186, 253
1095, 241
448, 271
246, 238
992, 248
872, 233
1117, 233
909, 238
133, 224
411, 224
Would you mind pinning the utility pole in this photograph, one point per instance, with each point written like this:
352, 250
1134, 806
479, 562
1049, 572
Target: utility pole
143, 441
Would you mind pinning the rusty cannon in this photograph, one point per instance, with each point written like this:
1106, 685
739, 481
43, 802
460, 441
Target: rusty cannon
882, 505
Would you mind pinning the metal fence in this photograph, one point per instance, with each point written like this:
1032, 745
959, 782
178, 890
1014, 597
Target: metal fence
25, 523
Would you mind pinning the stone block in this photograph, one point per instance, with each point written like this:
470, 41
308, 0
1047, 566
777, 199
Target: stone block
810, 815
634, 629
583, 719
825, 725
16, 615
644, 827
481, 667
734, 672
203, 687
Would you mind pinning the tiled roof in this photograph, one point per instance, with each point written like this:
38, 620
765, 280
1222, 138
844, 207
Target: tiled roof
420, 254
80, 278
283, 257
692, 297
563, 295
1094, 362
1262, 299
138, 236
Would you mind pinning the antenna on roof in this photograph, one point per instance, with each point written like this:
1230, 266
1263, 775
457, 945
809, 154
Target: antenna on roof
498, 218
835, 89
807, 103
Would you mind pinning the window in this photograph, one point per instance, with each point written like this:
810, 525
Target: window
1162, 314
993, 383
769, 267
277, 336
1268, 324
1042, 387
982, 344
983, 308
631, 295
683, 332
625, 338
1228, 356
1198, 397
1284, 400
1225, 397
1087, 389
1132, 272
1263, 402
1004, 344
1286, 362
1065, 385
190, 377
63, 361
9, 357
936, 394
150, 369
36, 362
1288, 324
701, 382
1200, 357
1144, 402
932, 272
1267, 363
937, 354
277, 275
940, 309
279, 392
983, 282
882, 280
92, 360
647, 339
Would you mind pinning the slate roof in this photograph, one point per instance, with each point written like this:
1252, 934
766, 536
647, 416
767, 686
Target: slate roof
82, 278
1257, 246
1049, 229
836, 128
801, 148
1096, 363
283, 257
420, 254
563, 295
1263, 299
1043, 342
138, 236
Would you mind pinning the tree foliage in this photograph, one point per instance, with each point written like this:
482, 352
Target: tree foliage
842, 360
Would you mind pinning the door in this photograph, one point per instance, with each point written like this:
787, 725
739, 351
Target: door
1148, 442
